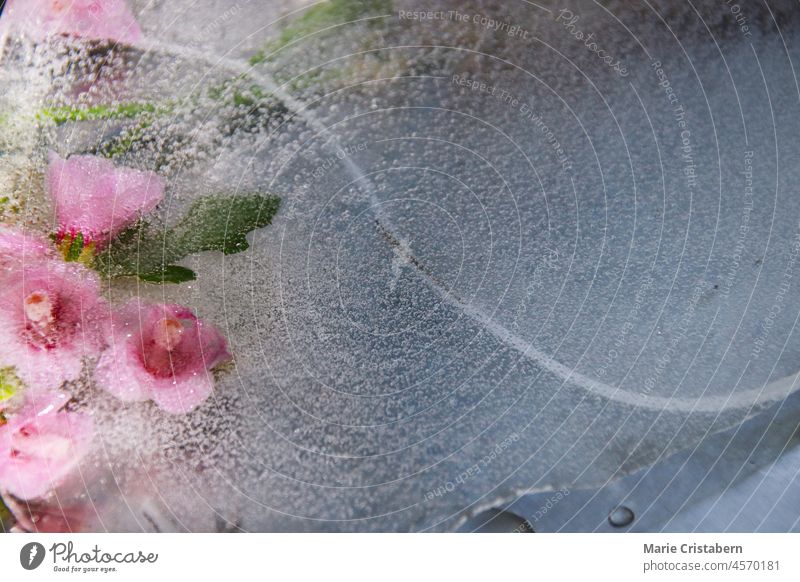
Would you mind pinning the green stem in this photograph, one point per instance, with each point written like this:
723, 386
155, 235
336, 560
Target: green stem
62, 114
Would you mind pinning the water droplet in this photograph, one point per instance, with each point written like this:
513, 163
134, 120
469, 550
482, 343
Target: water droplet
621, 516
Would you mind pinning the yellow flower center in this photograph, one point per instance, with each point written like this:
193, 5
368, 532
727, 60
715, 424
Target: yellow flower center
168, 333
39, 308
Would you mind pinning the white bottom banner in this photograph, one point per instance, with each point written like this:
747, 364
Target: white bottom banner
397, 556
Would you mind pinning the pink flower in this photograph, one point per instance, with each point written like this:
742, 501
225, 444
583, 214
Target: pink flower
18, 249
93, 19
40, 446
163, 353
50, 318
97, 199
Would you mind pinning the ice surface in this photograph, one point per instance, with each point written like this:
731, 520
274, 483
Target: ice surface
469, 292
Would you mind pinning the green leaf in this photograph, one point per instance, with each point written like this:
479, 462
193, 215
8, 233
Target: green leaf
6, 518
212, 223
10, 384
170, 274
140, 249
122, 143
319, 17
75, 248
143, 113
216, 223
63, 114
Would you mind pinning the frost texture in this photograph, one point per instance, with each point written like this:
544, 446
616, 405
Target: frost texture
446, 312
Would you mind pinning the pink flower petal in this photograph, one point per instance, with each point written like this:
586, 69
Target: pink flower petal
39, 403
160, 352
182, 396
93, 19
119, 373
18, 249
50, 319
37, 452
97, 199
